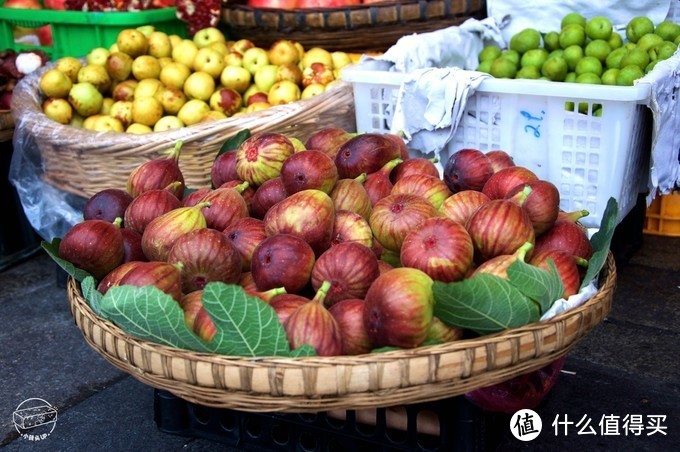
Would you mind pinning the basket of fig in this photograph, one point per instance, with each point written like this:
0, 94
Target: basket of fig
335, 273
85, 123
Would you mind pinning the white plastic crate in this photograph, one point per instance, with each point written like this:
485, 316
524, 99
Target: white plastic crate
589, 158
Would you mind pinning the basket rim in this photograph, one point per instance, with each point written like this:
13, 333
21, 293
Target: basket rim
586, 316
297, 11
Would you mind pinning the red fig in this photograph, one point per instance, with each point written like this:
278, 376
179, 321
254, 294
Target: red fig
114, 276
285, 304
266, 196
499, 265
157, 173
282, 260
162, 275
351, 227
225, 205
501, 182
350, 317
384, 267
398, 141
245, 234
196, 317
328, 140
195, 197
147, 206
163, 231
223, 169
568, 237
350, 194
467, 169
306, 170
349, 267
542, 204
567, 268
398, 308
365, 153
500, 159
248, 283
378, 184
107, 205
416, 165
429, 187
460, 206
95, 246
206, 255
394, 216
440, 247
441, 332
247, 193
260, 157
132, 245
312, 324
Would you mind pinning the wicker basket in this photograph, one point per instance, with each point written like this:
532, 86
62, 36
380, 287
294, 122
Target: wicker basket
84, 162
315, 384
6, 125
360, 28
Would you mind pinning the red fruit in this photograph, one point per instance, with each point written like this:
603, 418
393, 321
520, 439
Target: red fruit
328, 140
147, 206
365, 153
499, 265
162, 233
440, 247
205, 255
460, 206
245, 234
266, 195
223, 169
308, 214
195, 197
574, 217
107, 205
248, 283
467, 169
226, 205
113, 278
567, 268
429, 187
399, 142
350, 194
499, 160
441, 332
95, 246
384, 267
378, 184
350, 317
417, 165
247, 193
260, 157
132, 245
282, 260
312, 324
162, 275
542, 204
398, 308
306, 170
199, 14
349, 267
501, 182
568, 237
156, 174
191, 304
499, 227
351, 227
394, 216
285, 304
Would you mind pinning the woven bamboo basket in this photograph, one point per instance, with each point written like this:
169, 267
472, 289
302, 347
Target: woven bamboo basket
313, 384
84, 162
360, 28
6, 125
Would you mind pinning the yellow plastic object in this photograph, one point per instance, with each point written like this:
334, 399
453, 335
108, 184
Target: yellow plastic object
663, 216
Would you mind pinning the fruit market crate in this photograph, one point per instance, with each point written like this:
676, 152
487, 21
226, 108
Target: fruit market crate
374, 380
75, 33
663, 216
83, 162
360, 28
551, 128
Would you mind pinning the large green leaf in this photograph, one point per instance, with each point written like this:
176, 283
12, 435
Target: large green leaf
52, 250
601, 241
245, 325
544, 287
484, 304
91, 294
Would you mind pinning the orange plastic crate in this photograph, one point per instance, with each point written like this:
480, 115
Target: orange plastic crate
663, 216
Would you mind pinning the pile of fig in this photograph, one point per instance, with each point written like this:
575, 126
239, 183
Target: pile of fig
343, 235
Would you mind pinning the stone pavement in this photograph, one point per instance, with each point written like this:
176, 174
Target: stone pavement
628, 365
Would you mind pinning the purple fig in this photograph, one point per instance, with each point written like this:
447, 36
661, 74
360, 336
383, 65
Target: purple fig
149, 205
132, 245
309, 170
282, 260
223, 169
226, 205
162, 275
95, 246
350, 317
378, 184
107, 205
365, 153
195, 197
157, 173
245, 234
266, 196
328, 140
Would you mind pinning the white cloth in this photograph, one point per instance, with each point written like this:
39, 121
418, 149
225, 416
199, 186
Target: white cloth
575, 300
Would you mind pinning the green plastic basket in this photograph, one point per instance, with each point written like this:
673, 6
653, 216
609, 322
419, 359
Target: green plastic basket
75, 33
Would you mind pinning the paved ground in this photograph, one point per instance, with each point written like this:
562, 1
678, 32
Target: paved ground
627, 366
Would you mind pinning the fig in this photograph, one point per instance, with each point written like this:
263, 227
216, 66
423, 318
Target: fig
260, 157
162, 233
566, 236
328, 140
114, 276
205, 255
282, 260
306, 170
223, 169
441, 332
350, 317
365, 153
248, 283
500, 159
162, 275
285, 304
502, 181
95, 246
312, 324
224, 206
460, 206
394, 216
349, 267
245, 234
196, 317
418, 165
378, 184
499, 265
157, 173
429, 187
132, 245
194, 197
467, 169
399, 143
247, 193
384, 267
149, 205
107, 205
350, 194
266, 195
567, 268
351, 227
542, 204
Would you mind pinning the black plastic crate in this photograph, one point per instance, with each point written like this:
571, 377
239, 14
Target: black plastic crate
462, 427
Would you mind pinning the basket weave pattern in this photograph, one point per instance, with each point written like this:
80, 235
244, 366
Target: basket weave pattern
315, 384
352, 29
84, 162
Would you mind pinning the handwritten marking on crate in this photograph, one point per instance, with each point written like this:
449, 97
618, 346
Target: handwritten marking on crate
530, 126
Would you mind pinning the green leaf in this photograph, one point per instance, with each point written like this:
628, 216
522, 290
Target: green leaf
233, 142
484, 304
541, 286
246, 326
601, 241
52, 250
148, 313
384, 349
304, 350
91, 294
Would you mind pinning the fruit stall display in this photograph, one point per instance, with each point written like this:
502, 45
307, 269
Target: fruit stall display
334, 272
